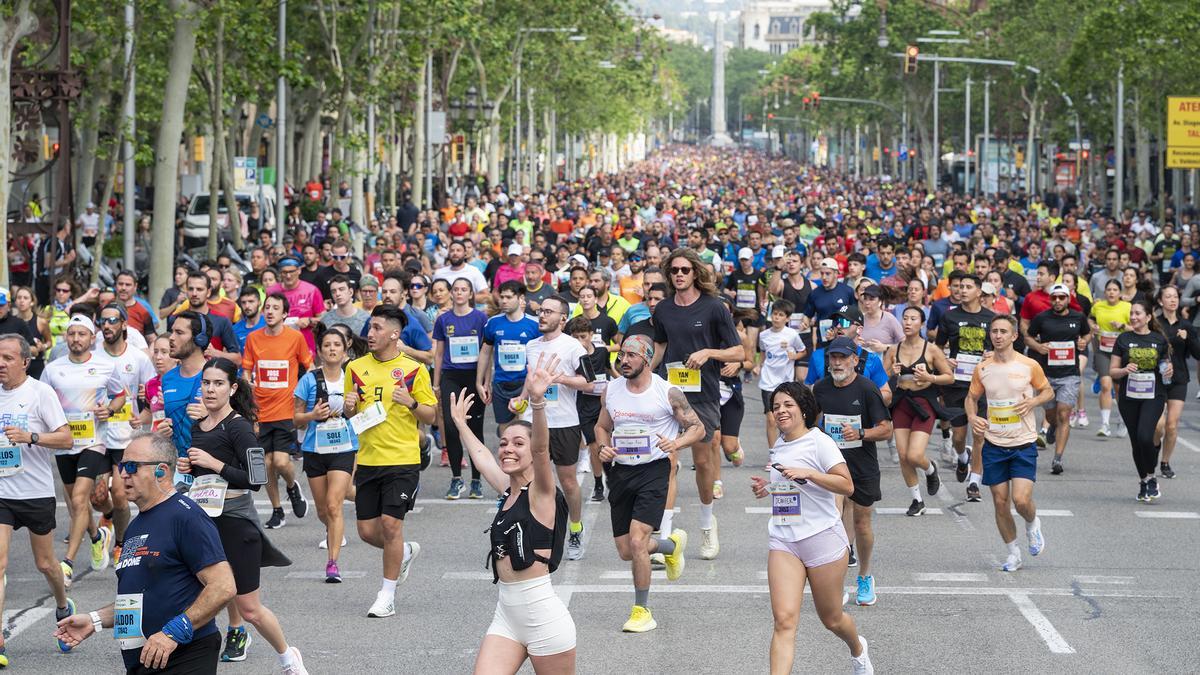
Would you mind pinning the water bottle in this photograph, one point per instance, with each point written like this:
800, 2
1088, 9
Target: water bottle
1162, 370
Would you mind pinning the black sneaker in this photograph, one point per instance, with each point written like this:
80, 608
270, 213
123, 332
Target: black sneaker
853, 558
961, 470
1056, 466
1165, 469
1142, 492
598, 493
917, 508
299, 503
973, 494
236, 644
276, 521
1052, 434
933, 482
1152, 491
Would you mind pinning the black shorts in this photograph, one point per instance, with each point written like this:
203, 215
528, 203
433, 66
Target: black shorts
1177, 391
198, 657
732, 413
243, 544
564, 445
36, 514
709, 413
954, 397
386, 491
277, 436
317, 465
637, 493
864, 473
114, 456
588, 408
502, 393
87, 464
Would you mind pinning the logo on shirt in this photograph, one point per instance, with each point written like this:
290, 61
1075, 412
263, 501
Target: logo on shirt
397, 373
450, 329
133, 551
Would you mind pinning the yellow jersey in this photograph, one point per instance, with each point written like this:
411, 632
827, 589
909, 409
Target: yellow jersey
396, 440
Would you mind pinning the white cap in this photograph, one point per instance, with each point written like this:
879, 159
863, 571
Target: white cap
988, 288
515, 249
830, 264
1060, 289
779, 251
752, 219
745, 254
578, 259
91, 205
81, 320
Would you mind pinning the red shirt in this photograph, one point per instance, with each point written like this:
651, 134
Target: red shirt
139, 318
1039, 301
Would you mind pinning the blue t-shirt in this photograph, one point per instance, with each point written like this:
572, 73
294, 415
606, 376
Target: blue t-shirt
306, 390
177, 392
459, 353
873, 370
874, 271
936, 310
414, 334
241, 329
165, 547
508, 338
223, 337
634, 314
418, 317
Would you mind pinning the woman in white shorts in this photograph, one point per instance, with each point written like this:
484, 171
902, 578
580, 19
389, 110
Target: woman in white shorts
527, 538
807, 541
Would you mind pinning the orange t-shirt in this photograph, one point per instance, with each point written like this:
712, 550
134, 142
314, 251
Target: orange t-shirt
1004, 385
631, 288
273, 363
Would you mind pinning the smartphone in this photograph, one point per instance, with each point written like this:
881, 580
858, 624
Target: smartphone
257, 465
779, 467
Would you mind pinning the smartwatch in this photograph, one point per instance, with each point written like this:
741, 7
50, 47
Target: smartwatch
414, 405
96, 623
33, 438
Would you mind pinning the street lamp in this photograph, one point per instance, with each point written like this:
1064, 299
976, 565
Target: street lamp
469, 110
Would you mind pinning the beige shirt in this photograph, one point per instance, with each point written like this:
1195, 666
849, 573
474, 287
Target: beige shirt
1004, 385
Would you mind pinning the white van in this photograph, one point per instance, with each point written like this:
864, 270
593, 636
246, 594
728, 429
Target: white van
195, 225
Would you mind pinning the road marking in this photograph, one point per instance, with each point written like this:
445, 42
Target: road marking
1050, 513
1187, 444
574, 566
16, 622
961, 577
468, 576
627, 575
1188, 515
359, 574
897, 511
892, 590
1118, 581
1041, 624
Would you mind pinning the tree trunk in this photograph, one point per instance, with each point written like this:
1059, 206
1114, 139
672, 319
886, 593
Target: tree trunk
1142, 148
89, 142
166, 166
419, 159
231, 205
22, 22
114, 166
357, 161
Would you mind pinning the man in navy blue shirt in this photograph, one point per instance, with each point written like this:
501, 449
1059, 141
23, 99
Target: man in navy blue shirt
826, 300
172, 577
848, 323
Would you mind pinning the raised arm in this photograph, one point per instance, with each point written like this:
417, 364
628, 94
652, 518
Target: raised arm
485, 462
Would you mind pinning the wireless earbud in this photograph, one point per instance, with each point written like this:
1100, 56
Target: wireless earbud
158, 472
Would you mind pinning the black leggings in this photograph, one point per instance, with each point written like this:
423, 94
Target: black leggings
455, 381
1141, 416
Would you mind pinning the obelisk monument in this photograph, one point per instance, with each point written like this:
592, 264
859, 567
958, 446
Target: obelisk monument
720, 137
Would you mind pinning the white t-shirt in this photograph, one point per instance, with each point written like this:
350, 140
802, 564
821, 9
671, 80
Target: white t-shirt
777, 368
35, 406
818, 506
639, 419
468, 272
133, 369
80, 386
560, 399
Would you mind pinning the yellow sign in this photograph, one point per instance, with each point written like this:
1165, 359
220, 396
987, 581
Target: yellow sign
198, 149
1183, 132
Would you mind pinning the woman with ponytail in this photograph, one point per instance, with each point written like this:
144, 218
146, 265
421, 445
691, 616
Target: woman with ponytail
1141, 364
1185, 342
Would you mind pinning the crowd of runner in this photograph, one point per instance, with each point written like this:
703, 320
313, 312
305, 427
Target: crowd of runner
612, 327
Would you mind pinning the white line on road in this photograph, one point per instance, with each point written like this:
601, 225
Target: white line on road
961, 577
468, 576
1041, 624
1091, 579
892, 590
627, 575
897, 511
1187, 515
359, 574
14, 626
1187, 444
1050, 513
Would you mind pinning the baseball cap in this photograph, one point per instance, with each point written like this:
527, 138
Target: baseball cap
871, 290
850, 313
829, 264
368, 281
3, 297
745, 254
1060, 289
515, 249
578, 259
844, 346
778, 251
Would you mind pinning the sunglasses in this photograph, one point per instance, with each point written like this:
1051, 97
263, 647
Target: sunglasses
416, 287
681, 270
62, 290
130, 467
112, 320
340, 257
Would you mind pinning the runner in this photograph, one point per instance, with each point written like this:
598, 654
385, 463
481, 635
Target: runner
792, 285
1185, 342
781, 349
457, 268
227, 467
457, 335
595, 367
1006, 382
275, 356
1055, 338
90, 392
1142, 363
305, 303
250, 300
389, 394
180, 386
1109, 317
530, 621
643, 422
806, 540
827, 300
30, 439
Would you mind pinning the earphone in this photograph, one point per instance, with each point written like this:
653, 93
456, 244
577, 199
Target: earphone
159, 473
200, 339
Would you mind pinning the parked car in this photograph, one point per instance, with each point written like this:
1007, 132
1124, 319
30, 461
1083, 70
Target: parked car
195, 227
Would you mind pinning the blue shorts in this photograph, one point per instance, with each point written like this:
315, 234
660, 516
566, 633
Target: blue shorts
502, 393
1001, 464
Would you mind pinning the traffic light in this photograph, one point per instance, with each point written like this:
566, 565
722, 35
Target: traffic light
770, 115
911, 53
805, 103
816, 100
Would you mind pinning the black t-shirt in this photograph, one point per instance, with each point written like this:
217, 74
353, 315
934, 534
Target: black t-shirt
311, 276
326, 274
1018, 284
858, 404
1181, 347
15, 325
1146, 351
604, 329
704, 324
967, 335
643, 327
1049, 327
745, 287
227, 442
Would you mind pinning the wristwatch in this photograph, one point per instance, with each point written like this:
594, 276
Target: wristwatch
33, 438
413, 405
97, 625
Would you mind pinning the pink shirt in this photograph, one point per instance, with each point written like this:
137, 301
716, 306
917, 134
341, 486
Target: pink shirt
304, 300
506, 272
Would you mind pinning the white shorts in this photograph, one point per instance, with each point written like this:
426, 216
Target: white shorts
530, 613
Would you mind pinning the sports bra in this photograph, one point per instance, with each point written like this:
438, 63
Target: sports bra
910, 368
516, 534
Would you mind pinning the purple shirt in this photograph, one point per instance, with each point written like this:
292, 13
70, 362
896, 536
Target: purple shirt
460, 337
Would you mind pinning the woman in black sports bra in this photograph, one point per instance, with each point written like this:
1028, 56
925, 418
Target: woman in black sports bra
915, 364
527, 537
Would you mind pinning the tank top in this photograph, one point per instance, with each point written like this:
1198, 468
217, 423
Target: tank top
639, 419
906, 371
516, 534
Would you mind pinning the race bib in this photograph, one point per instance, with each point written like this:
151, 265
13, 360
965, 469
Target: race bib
371, 416
746, 299
836, 426
600, 383
1166, 265
83, 430
125, 414
785, 503
127, 621
632, 440
156, 419
208, 492
795, 321
271, 374
1107, 340
511, 356
464, 349
965, 366
1061, 354
687, 379
10, 457
551, 393
1002, 416
332, 436
1140, 385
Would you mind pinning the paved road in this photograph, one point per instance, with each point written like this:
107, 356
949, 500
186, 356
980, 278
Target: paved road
1115, 591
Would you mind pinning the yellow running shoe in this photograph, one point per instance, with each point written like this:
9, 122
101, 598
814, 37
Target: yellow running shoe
675, 561
640, 621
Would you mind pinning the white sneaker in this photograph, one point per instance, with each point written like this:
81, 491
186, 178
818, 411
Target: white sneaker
892, 449
1104, 431
710, 545
324, 543
1037, 542
861, 664
413, 549
585, 462
384, 606
296, 667
1012, 563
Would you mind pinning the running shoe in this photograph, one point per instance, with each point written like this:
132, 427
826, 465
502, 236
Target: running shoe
1074, 419
116, 554
1152, 491
948, 453
658, 561
295, 665
1198, 396
710, 543
961, 470
718, 489
1165, 469
3, 657
426, 449
237, 641
1082, 420
457, 487
973, 494
1012, 563
100, 553
575, 545
894, 452
413, 549
277, 520
640, 621
1142, 492
736, 457
675, 562
1121, 432
332, 574
1037, 542
68, 571
584, 464
853, 562
445, 458
1042, 439
61, 613
598, 493
916, 508
1056, 467
1103, 431
861, 664
476, 490
933, 482
324, 543
383, 607
299, 503
866, 591
1052, 434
